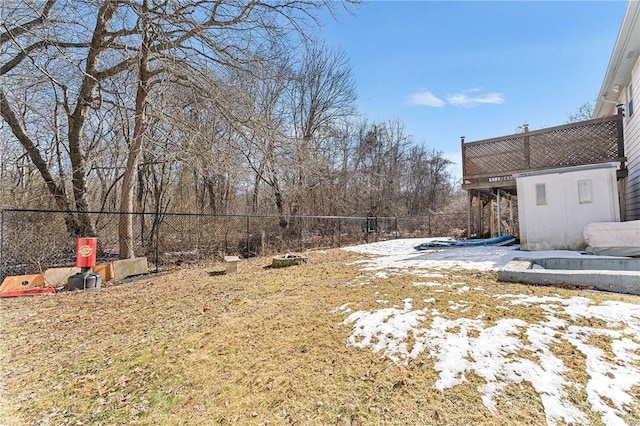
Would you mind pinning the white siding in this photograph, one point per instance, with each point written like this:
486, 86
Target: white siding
632, 149
559, 223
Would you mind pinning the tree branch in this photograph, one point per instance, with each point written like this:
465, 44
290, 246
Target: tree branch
18, 30
42, 44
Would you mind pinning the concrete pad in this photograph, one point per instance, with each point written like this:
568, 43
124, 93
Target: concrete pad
612, 275
57, 277
21, 282
590, 263
232, 263
105, 271
128, 267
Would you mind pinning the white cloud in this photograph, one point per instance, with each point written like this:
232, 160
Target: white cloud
466, 98
474, 97
426, 98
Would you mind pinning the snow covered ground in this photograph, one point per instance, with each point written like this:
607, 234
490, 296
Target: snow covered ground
460, 345
400, 254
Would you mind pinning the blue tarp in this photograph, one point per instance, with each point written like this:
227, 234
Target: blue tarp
497, 241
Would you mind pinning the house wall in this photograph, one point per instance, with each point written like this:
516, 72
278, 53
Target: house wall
632, 147
559, 224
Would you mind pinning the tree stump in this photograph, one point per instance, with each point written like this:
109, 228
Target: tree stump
287, 260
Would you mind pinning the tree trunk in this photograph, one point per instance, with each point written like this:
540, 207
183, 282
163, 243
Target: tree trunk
280, 206
78, 118
279, 202
125, 225
56, 189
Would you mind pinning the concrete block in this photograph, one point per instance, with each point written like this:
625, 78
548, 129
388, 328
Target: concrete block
58, 277
613, 234
518, 264
21, 282
232, 263
105, 271
128, 267
615, 275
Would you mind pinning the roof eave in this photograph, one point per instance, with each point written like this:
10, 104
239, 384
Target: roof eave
624, 56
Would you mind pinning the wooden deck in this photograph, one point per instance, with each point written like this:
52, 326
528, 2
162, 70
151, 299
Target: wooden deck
490, 164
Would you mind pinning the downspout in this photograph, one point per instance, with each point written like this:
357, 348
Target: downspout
622, 172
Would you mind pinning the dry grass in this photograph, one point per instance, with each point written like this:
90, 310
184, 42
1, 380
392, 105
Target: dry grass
258, 347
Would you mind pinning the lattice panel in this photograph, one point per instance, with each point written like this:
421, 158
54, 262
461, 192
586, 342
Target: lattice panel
574, 146
496, 156
570, 145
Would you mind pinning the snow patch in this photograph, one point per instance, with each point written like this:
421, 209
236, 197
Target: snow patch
492, 350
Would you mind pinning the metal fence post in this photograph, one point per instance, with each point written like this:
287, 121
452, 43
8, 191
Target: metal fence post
157, 225
366, 229
1, 245
396, 225
339, 232
248, 251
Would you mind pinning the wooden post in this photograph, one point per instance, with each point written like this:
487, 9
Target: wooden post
464, 168
527, 148
511, 215
469, 212
498, 213
622, 198
491, 218
620, 129
479, 215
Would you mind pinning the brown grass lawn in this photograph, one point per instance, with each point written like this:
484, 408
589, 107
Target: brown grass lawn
263, 346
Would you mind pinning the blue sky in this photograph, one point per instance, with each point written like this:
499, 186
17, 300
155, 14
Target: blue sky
477, 69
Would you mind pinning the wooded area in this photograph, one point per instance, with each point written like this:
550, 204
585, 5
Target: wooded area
221, 107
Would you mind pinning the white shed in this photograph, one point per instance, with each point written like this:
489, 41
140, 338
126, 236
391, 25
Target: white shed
555, 205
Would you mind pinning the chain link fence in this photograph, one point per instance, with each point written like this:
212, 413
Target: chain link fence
32, 241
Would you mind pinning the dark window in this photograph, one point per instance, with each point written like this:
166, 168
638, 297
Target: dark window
630, 100
541, 194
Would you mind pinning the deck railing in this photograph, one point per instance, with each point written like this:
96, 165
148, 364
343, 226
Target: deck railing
491, 163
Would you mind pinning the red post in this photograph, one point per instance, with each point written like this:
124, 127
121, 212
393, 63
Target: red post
86, 252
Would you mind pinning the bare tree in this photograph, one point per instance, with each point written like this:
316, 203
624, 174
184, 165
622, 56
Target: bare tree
223, 34
35, 31
207, 151
427, 182
99, 40
583, 113
267, 151
322, 97
378, 164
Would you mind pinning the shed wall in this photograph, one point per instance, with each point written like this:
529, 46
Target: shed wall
559, 223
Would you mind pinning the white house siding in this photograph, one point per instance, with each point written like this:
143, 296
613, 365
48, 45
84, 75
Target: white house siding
632, 148
559, 224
